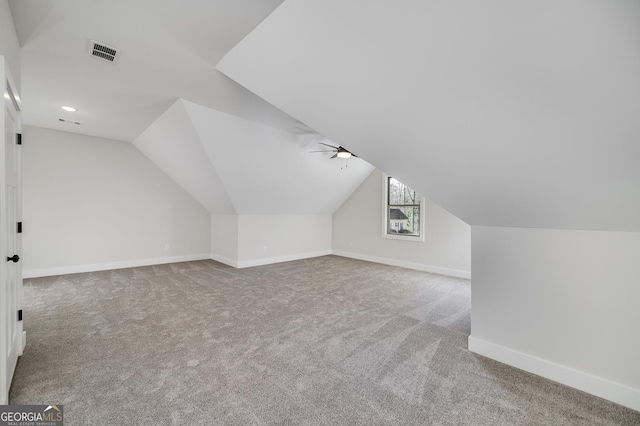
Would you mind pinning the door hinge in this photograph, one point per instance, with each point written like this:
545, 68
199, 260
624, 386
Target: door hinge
19, 228
18, 138
20, 315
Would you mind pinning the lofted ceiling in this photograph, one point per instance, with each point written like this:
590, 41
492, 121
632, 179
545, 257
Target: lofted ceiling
232, 151
509, 114
523, 114
168, 50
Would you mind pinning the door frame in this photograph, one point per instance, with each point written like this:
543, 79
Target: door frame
11, 104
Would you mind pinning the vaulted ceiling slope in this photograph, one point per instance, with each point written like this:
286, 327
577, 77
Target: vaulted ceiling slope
506, 113
168, 50
232, 151
235, 166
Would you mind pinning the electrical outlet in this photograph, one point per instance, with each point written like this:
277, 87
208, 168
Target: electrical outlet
167, 247
265, 249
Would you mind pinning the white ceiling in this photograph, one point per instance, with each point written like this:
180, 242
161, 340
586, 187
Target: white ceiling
228, 148
263, 170
173, 144
506, 113
169, 50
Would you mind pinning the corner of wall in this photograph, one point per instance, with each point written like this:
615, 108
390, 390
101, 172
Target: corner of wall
224, 239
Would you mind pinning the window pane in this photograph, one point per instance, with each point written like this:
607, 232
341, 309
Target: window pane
394, 191
400, 193
404, 220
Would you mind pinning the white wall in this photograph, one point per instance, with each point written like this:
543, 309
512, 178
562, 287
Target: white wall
224, 238
271, 239
252, 240
562, 304
357, 232
92, 203
9, 45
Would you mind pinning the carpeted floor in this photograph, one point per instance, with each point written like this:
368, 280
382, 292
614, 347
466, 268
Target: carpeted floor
323, 341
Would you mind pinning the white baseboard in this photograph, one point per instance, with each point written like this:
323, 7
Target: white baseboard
225, 260
612, 391
403, 264
279, 259
62, 270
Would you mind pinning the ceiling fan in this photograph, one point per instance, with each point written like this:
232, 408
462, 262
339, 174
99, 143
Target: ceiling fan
339, 151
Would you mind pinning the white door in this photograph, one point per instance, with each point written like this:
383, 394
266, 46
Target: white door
11, 336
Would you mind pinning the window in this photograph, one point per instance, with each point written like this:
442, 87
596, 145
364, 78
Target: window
403, 211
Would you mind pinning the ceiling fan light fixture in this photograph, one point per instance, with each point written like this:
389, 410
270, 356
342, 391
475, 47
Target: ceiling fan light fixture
344, 154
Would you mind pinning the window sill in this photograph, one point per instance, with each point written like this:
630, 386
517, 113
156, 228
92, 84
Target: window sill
412, 238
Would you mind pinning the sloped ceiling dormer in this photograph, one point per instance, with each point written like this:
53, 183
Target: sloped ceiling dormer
518, 114
235, 166
174, 145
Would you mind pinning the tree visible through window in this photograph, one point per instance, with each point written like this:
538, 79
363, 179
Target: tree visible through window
403, 209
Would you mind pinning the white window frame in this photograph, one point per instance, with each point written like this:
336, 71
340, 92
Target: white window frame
385, 217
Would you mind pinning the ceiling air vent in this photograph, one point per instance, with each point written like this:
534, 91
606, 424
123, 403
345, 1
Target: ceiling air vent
69, 121
102, 51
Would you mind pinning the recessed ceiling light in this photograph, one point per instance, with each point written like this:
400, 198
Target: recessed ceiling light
68, 108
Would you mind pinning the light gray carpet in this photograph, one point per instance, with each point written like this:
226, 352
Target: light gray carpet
324, 341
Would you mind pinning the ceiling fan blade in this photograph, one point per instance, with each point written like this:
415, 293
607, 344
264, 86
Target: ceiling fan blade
333, 156
320, 151
326, 144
